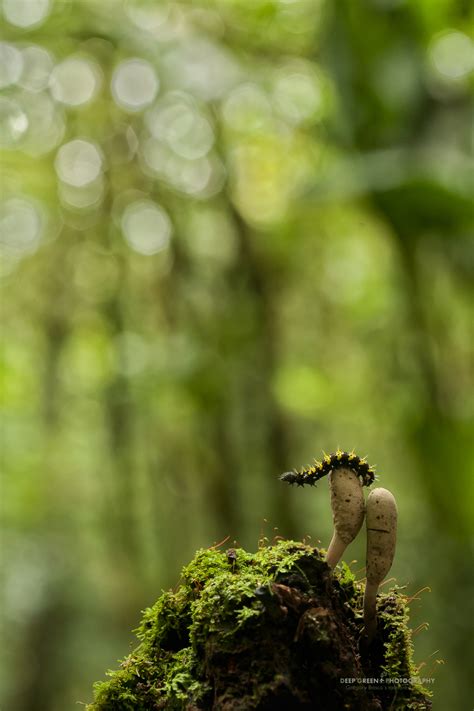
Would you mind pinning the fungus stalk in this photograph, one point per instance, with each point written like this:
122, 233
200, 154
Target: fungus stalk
348, 509
381, 522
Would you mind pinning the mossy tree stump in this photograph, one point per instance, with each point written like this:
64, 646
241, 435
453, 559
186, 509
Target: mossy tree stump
272, 630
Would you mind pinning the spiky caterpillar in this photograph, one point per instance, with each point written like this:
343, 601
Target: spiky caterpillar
310, 475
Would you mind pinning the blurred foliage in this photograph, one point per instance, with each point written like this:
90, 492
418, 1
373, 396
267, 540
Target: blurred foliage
233, 233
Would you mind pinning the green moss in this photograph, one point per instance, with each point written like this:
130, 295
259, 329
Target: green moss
271, 630
398, 648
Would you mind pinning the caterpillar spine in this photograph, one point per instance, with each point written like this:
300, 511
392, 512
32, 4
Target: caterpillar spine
316, 471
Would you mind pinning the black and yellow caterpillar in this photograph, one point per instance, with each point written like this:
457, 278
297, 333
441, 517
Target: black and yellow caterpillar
310, 475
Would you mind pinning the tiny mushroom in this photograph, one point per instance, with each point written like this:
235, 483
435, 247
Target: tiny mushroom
381, 522
348, 509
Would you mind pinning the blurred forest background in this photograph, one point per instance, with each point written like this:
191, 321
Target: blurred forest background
233, 233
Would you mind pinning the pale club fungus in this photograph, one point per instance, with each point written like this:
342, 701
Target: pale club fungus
348, 510
381, 522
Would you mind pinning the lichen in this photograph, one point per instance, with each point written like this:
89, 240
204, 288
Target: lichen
276, 629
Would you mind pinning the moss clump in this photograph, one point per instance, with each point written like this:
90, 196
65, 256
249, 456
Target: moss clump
271, 630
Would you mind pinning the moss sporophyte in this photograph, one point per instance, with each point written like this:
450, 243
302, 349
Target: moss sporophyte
282, 628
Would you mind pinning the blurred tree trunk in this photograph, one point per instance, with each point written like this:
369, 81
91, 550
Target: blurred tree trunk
252, 269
